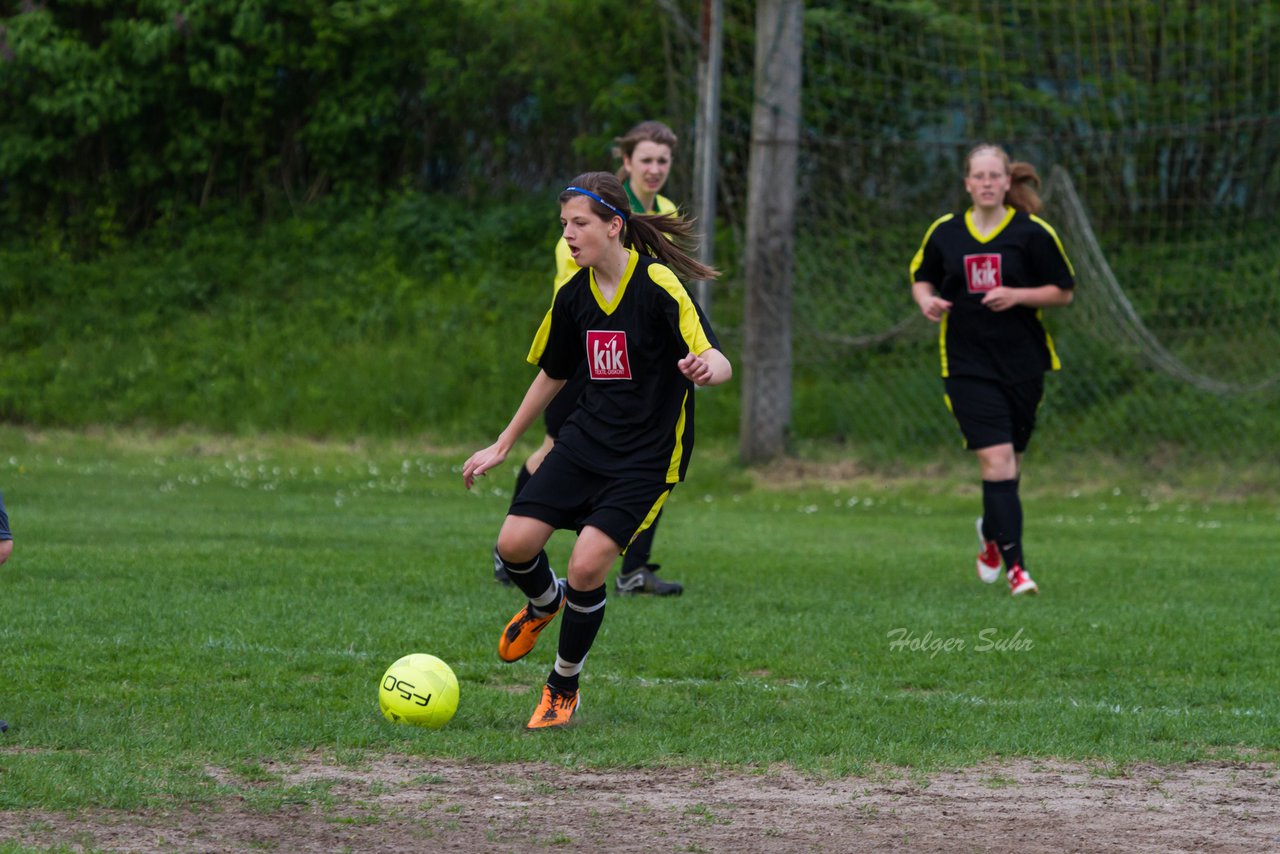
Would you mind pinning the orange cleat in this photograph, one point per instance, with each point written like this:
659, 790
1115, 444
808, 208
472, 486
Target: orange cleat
555, 709
522, 632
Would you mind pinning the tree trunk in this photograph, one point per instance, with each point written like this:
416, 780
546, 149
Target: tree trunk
771, 186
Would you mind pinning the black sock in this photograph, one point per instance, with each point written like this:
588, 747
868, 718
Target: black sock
1002, 518
583, 614
637, 556
522, 478
535, 580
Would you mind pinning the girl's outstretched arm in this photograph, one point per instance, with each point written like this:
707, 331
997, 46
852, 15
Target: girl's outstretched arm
541, 391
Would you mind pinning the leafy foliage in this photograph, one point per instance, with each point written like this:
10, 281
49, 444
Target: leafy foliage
116, 117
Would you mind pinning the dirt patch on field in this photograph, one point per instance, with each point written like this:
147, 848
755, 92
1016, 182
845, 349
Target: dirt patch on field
409, 804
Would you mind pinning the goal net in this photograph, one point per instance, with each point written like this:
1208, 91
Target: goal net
1155, 127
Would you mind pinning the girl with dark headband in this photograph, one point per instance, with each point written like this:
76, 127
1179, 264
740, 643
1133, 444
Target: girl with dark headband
646, 152
626, 315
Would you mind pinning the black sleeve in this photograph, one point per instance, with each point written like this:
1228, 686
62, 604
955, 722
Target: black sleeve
1049, 260
564, 351
933, 269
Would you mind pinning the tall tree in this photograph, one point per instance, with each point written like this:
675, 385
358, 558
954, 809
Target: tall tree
775, 141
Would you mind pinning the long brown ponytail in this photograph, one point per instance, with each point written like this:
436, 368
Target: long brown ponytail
660, 236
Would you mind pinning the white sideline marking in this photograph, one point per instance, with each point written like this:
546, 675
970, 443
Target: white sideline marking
241, 646
801, 686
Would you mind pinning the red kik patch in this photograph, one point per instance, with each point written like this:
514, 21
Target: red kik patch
607, 355
982, 272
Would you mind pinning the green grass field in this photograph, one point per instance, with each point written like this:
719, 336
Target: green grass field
180, 602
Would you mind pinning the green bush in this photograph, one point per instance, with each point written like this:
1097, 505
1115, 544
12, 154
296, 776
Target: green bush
413, 318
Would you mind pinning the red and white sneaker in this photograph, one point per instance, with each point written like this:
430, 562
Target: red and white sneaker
1020, 582
988, 558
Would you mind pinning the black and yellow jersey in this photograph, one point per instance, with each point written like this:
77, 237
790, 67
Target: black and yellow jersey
566, 267
635, 416
1022, 252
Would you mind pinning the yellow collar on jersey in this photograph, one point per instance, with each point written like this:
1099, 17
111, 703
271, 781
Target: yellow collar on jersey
608, 306
973, 229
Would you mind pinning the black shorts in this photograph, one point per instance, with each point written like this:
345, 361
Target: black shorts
4, 522
994, 413
565, 402
565, 495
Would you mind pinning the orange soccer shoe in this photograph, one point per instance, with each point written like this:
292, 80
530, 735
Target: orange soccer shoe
522, 631
556, 708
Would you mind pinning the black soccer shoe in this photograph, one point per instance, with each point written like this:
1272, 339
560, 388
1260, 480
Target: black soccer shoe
644, 580
500, 571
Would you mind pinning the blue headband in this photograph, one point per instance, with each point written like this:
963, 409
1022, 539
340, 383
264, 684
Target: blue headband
625, 216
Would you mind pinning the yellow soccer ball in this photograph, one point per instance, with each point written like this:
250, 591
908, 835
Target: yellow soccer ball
419, 689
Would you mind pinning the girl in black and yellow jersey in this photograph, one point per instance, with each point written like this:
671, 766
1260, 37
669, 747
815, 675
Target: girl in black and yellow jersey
628, 441
646, 151
986, 276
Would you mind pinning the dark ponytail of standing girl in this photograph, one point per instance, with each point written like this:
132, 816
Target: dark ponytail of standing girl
659, 236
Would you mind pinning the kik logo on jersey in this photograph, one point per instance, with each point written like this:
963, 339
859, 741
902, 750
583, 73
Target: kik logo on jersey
982, 272
607, 355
